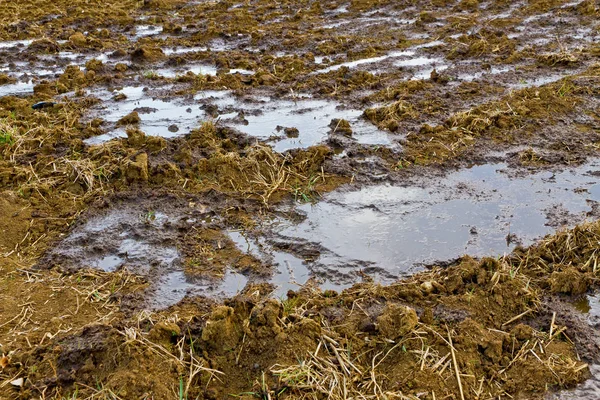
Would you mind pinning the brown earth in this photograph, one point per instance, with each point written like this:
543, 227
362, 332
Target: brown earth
491, 328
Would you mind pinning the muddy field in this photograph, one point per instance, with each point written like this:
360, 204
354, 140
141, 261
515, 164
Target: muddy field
299, 199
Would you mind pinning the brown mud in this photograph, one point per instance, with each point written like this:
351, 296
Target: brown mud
273, 199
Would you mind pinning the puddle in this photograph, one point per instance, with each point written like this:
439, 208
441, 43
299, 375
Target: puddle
310, 117
183, 50
173, 287
17, 89
15, 43
590, 306
494, 70
290, 272
407, 60
352, 64
125, 237
398, 229
195, 69
147, 30
241, 71
537, 81
157, 115
259, 117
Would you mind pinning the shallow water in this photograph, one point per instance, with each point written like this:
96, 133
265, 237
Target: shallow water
15, 43
290, 272
17, 89
352, 64
156, 114
259, 117
395, 230
198, 69
126, 238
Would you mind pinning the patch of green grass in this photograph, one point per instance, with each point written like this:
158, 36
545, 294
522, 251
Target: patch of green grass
6, 139
306, 193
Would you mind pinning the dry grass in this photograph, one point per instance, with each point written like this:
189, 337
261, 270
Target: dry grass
75, 174
263, 173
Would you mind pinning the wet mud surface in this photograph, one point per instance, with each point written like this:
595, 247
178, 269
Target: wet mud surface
299, 200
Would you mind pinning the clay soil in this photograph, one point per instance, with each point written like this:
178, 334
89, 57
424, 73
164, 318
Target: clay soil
516, 81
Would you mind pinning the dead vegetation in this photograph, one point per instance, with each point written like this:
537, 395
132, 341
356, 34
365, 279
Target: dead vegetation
477, 329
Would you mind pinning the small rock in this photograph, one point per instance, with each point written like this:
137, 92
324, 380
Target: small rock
17, 382
427, 287
173, 128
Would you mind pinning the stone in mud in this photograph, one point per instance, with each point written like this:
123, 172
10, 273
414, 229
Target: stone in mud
145, 53
137, 170
396, 321
340, 126
78, 39
132, 118
173, 128
221, 332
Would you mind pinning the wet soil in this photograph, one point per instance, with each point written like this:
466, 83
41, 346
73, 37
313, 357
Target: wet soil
299, 200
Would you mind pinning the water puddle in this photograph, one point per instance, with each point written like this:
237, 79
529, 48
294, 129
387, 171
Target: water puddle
290, 272
15, 43
311, 117
183, 50
17, 89
158, 116
398, 229
147, 30
126, 237
590, 307
538, 81
241, 71
407, 60
356, 63
494, 70
198, 69
260, 117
